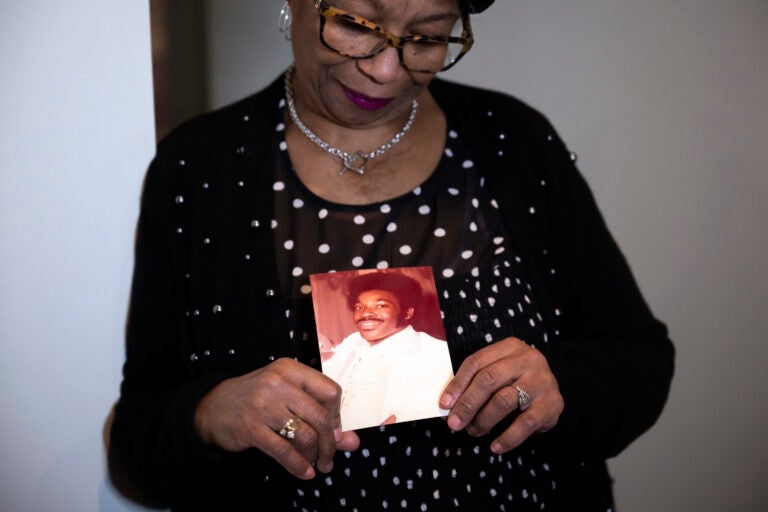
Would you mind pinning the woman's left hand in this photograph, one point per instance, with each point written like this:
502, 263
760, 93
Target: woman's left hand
482, 393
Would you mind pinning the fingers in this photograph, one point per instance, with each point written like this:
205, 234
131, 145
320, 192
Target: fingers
317, 441
347, 441
479, 378
483, 394
500, 405
250, 411
540, 417
287, 452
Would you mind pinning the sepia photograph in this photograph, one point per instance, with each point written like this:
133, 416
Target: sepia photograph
382, 340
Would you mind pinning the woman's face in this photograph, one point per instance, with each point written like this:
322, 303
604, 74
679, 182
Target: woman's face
364, 92
377, 315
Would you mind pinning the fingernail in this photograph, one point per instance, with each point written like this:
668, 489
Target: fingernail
454, 423
309, 474
496, 448
446, 401
337, 435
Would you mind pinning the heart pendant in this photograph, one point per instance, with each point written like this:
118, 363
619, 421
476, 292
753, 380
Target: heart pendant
354, 162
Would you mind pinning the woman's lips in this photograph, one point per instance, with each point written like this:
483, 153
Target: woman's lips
363, 101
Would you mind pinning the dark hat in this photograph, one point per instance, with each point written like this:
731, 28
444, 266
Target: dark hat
475, 6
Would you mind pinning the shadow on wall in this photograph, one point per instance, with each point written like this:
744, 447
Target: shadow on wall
178, 62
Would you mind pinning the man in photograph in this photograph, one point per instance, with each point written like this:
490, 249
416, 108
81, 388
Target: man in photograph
388, 371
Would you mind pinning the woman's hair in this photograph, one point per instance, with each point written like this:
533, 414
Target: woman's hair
407, 290
475, 6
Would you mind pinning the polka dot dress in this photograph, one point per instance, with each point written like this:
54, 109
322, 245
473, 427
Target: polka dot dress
451, 222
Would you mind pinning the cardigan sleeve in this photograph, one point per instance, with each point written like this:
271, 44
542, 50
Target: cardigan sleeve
178, 347
153, 439
613, 361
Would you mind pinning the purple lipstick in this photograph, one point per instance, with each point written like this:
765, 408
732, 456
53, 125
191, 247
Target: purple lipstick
365, 102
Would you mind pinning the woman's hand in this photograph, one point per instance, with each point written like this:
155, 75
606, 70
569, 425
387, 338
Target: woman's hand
248, 411
482, 393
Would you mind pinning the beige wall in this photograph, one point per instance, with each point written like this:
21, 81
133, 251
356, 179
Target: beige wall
76, 136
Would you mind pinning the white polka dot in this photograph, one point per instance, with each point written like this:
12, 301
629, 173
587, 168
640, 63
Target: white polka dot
439, 232
357, 261
473, 227
468, 164
368, 239
498, 240
324, 249
283, 146
459, 330
391, 227
273, 224
359, 220
298, 203
280, 127
405, 250
297, 271
475, 203
452, 134
385, 208
449, 152
279, 185
448, 272
424, 209
453, 191
322, 213
305, 289
382, 265
495, 204
498, 251
288, 245
467, 254
475, 272
417, 191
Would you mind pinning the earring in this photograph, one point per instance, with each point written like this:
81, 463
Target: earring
284, 22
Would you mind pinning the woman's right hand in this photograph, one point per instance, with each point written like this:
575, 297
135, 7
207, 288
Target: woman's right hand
248, 411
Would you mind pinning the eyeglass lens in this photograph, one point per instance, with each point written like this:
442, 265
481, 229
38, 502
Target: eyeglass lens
358, 41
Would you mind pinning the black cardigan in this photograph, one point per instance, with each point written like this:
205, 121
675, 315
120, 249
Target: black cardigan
206, 302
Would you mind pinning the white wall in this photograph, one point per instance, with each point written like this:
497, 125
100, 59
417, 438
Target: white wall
667, 105
75, 138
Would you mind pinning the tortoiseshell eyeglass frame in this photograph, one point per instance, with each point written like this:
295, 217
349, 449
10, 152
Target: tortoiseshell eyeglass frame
466, 40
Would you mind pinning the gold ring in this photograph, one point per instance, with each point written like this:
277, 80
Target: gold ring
290, 428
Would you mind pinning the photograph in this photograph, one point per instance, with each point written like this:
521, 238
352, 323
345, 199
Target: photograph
382, 340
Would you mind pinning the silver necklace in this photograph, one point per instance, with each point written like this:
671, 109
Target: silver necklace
350, 161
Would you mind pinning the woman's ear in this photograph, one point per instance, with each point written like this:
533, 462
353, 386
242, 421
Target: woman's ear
409, 313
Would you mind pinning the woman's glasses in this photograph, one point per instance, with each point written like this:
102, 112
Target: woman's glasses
352, 36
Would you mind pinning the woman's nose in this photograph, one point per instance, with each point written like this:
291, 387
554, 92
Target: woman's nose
382, 67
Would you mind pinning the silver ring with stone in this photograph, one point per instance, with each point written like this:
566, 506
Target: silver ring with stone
290, 428
523, 398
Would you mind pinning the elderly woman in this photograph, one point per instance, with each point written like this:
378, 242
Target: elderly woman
358, 157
